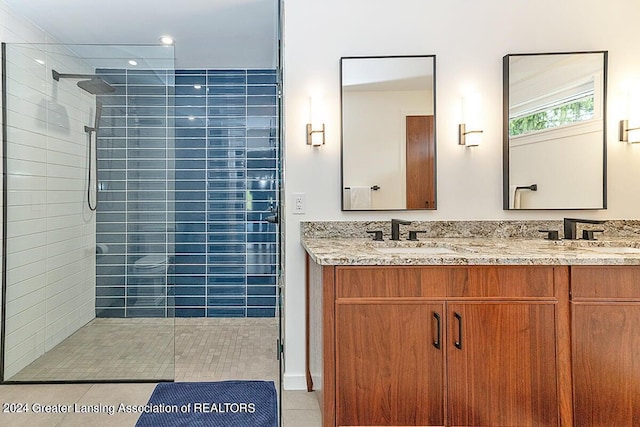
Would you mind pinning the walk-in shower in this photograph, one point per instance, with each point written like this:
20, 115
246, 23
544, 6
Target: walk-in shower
50, 331
136, 245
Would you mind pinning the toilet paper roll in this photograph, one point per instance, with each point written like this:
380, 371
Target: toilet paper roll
101, 248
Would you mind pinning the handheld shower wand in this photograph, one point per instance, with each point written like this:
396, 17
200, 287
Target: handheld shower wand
89, 130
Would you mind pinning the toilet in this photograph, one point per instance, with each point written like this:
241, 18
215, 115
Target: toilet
151, 265
154, 266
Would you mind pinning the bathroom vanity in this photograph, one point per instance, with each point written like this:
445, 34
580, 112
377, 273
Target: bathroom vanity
470, 332
605, 308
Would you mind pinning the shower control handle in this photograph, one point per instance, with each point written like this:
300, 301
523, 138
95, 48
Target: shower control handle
273, 219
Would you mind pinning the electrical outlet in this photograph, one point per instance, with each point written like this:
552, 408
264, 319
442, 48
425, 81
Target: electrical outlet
299, 203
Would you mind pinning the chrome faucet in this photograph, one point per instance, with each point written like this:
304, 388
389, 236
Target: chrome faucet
395, 228
570, 231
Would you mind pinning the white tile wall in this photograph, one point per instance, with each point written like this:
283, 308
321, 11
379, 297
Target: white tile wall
14, 29
25, 137
51, 232
24, 242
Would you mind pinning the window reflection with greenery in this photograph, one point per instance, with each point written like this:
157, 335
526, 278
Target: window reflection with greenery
559, 114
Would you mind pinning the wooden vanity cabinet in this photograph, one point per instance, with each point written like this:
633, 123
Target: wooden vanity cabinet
605, 308
388, 370
443, 346
503, 372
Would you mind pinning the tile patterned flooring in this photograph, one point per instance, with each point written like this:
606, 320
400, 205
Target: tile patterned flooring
109, 349
299, 408
223, 349
205, 350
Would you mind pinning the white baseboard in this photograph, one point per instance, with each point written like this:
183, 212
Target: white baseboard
294, 382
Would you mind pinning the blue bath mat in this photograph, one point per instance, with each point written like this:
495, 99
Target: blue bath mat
219, 404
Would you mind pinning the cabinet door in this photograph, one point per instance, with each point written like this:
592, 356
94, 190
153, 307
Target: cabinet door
606, 364
389, 364
502, 364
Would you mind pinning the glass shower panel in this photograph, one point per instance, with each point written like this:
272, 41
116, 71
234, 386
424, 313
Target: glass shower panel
88, 146
135, 163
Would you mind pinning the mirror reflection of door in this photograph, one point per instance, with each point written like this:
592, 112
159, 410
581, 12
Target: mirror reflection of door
388, 133
420, 163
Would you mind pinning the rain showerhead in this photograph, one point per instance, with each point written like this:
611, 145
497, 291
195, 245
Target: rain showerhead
94, 85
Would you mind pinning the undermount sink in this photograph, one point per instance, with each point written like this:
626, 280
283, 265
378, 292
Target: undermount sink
614, 249
425, 250
601, 246
423, 247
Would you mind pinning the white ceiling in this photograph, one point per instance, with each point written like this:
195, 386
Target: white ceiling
387, 73
208, 33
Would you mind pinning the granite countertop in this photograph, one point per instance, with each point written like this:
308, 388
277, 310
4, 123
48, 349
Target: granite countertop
472, 251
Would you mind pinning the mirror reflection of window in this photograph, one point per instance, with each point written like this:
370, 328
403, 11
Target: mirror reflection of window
578, 106
553, 91
554, 138
388, 133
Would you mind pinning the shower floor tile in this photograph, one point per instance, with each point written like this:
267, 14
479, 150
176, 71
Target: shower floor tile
226, 349
143, 349
108, 349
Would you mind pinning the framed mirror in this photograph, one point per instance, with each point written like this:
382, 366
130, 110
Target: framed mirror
554, 139
388, 132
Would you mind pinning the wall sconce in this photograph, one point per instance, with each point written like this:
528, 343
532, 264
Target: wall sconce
315, 129
470, 131
628, 134
630, 131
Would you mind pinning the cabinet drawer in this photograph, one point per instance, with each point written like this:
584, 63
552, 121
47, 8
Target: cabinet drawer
431, 282
506, 282
605, 282
396, 281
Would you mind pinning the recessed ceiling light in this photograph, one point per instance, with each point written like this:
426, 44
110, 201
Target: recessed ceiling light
168, 40
133, 62
197, 86
192, 118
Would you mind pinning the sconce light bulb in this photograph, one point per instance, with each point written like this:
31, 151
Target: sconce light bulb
316, 129
472, 110
630, 128
470, 132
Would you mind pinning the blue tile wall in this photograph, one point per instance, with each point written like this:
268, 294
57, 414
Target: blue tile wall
188, 167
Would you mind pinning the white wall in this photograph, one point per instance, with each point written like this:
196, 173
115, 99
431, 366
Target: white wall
565, 163
50, 232
469, 39
376, 152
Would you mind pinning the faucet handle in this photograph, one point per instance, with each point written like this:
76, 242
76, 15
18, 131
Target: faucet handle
588, 234
551, 234
377, 235
413, 234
